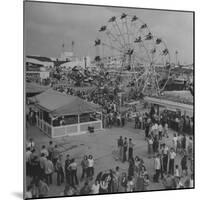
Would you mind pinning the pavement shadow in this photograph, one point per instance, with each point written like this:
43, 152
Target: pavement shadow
19, 195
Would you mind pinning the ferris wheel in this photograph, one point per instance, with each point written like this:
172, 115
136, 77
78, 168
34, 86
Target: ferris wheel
127, 46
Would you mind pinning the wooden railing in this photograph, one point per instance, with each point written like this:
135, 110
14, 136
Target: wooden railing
44, 126
67, 130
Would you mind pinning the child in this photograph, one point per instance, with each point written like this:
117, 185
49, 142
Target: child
117, 178
130, 184
146, 182
28, 193
177, 171
124, 181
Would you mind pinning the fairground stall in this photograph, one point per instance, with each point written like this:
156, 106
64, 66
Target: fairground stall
181, 101
177, 107
61, 115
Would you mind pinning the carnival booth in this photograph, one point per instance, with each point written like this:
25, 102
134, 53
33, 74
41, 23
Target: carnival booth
181, 101
176, 106
61, 115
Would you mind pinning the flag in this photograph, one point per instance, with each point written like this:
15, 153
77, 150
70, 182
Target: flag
158, 41
123, 15
143, 26
103, 28
139, 39
97, 42
149, 36
134, 18
165, 52
112, 19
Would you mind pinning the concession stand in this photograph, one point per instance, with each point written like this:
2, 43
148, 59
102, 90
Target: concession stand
61, 115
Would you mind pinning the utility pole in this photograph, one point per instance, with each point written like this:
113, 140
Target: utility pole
63, 47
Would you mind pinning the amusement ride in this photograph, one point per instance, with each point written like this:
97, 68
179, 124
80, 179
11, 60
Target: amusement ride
128, 50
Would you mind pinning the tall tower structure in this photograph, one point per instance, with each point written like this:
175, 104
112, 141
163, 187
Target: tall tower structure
176, 58
73, 43
63, 48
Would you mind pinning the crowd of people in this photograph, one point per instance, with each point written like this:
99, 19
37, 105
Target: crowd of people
174, 172
181, 124
42, 164
173, 162
180, 175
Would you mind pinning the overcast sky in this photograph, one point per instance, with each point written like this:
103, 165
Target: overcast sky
48, 25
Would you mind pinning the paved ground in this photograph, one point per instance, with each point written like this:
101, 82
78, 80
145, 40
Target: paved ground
101, 145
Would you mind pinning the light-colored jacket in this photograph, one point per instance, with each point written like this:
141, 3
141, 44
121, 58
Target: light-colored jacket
157, 163
49, 168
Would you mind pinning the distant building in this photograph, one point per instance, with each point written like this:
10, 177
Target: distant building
82, 63
44, 61
66, 56
190, 66
38, 68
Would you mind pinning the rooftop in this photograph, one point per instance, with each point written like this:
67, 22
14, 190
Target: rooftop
58, 103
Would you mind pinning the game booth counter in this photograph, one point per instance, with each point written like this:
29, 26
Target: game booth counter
61, 115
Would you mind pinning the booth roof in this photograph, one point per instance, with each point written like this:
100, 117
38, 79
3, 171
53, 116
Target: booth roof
182, 96
40, 58
58, 103
35, 88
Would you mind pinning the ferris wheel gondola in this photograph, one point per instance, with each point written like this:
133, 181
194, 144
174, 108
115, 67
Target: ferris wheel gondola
126, 43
